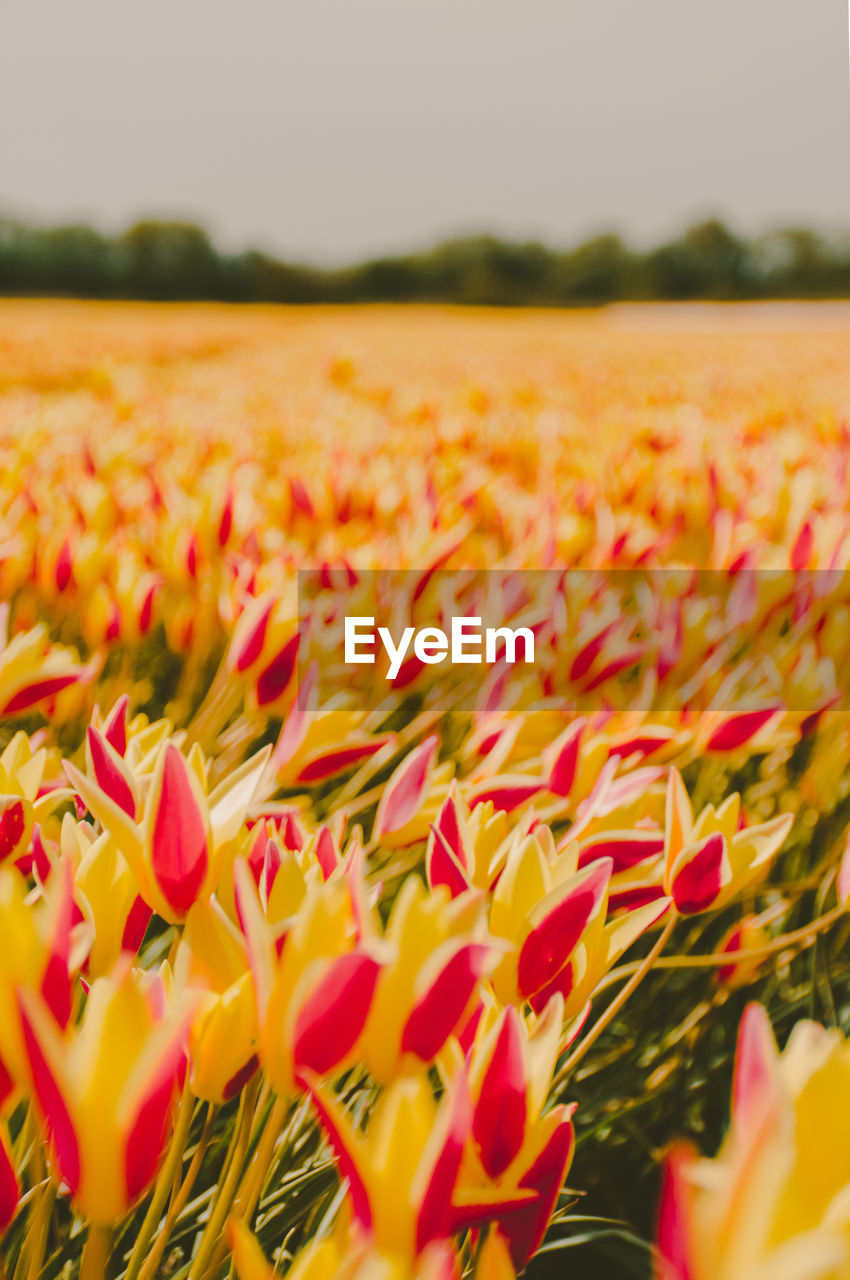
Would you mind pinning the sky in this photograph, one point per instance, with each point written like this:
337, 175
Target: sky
328, 130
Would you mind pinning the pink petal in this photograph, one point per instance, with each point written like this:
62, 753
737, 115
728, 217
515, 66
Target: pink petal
435, 1219
179, 842
755, 1058
438, 1012
275, 679
115, 725
136, 925
676, 1258
332, 1017
10, 1191
405, 790
331, 762
498, 1125
550, 943
562, 984
441, 865
525, 1230
740, 728
506, 796
340, 1144
586, 656
149, 1130
63, 567
225, 524
698, 882
53, 1107
237, 1082
252, 642
327, 854
37, 692
108, 772
623, 850
629, 899
447, 823
56, 983
40, 859
801, 551
13, 825
628, 658
563, 771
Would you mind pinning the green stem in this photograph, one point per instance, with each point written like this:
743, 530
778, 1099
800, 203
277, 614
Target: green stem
36, 1242
227, 1189
95, 1253
252, 1184
180, 1200
807, 933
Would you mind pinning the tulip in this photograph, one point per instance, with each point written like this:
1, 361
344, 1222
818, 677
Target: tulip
32, 670
412, 796
466, 846
105, 1089
403, 1175
314, 980
435, 955
514, 1147
773, 1201
711, 859
42, 950
23, 799
177, 840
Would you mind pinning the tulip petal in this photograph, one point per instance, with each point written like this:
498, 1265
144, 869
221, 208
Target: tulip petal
676, 1258
48, 1093
16, 820
499, 1122
273, 682
547, 947
435, 1016
697, 875
738, 729
115, 725
179, 853
328, 763
441, 865
405, 790
525, 1230
755, 1063
110, 773
10, 1191
149, 1129
435, 1218
343, 1142
562, 772
332, 1017
624, 848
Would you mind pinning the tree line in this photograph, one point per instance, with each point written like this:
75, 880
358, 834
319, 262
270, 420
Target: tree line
170, 261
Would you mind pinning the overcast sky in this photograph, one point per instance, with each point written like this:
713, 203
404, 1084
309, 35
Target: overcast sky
327, 129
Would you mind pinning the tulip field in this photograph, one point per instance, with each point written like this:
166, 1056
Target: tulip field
318, 970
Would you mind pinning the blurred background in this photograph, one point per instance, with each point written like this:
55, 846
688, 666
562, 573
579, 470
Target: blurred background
549, 151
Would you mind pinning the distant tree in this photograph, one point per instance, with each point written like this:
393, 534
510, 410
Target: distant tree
176, 260
708, 261
600, 270
168, 261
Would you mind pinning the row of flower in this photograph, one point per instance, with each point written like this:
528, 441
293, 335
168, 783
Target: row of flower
303, 968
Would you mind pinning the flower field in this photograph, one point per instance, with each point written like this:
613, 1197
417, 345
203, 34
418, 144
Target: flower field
308, 971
